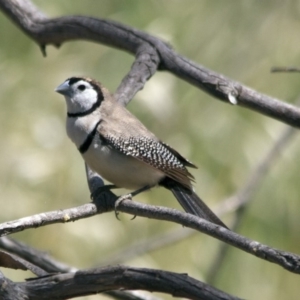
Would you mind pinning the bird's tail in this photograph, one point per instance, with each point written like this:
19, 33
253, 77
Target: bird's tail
194, 205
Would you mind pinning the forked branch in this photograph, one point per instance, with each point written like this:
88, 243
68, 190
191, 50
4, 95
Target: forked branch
151, 53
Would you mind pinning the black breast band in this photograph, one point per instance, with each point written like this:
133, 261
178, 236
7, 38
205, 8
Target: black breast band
87, 142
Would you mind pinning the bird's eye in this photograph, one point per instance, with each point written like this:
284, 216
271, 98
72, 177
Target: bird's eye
81, 87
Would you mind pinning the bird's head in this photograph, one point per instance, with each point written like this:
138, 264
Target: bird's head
82, 94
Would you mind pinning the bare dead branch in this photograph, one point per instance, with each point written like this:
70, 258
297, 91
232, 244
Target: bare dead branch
46, 264
56, 31
287, 260
151, 54
58, 216
96, 281
42, 264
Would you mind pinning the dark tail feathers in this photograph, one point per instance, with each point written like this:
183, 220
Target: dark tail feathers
194, 205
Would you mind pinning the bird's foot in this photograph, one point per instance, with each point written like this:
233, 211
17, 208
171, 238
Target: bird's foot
129, 197
119, 201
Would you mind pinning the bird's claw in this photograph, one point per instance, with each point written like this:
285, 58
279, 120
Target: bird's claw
119, 201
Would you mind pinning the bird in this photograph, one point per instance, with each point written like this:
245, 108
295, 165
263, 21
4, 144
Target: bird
117, 146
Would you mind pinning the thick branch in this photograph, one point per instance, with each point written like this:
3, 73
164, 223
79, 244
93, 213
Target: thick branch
80, 283
58, 30
34, 260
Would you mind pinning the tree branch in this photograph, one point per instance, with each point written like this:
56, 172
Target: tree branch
145, 246
59, 30
287, 260
80, 283
151, 54
42, 263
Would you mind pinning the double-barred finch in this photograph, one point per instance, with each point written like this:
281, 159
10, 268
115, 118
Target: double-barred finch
117, 146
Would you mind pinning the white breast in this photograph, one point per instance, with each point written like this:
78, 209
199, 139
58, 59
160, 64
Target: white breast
120, 169
79, 128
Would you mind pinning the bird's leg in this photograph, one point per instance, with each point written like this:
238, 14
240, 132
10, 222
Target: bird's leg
102, 189
129, 197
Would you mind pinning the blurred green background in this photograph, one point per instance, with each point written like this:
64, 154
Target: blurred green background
41, 170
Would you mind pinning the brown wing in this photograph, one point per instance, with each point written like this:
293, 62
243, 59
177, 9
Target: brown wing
154, 154
129, 136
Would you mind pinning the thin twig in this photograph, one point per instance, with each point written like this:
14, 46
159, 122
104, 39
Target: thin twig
147, 245
34, 256
285, 70
242, 197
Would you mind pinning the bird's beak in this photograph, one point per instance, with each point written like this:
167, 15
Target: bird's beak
63, 89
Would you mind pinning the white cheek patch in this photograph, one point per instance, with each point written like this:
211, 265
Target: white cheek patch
84, 100
87, 98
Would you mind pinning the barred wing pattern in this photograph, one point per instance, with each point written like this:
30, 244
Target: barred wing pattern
156, 154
